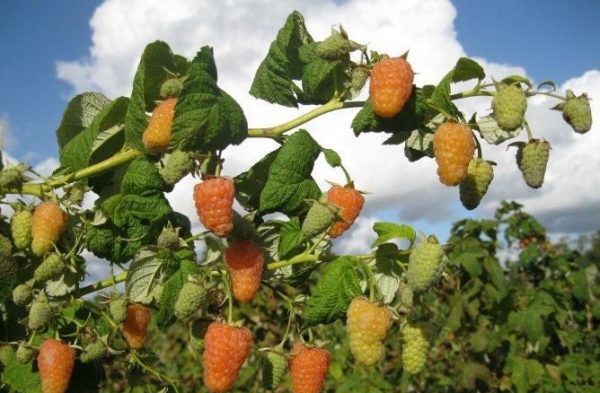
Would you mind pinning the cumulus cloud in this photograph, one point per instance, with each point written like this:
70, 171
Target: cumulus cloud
241, 34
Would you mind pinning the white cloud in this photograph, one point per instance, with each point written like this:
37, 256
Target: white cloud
241, 34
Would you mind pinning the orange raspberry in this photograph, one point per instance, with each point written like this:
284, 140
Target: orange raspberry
391, 86
309, 367
453, 146
226, 348
55, 363
49, 222
157, 135
244, 260
135, 326
350, 202
214, 201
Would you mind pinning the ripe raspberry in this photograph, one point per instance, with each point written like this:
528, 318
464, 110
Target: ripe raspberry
157, 135
53, 266
177, 166
453, 146
320, 216
350, 202
479, 176
25, 353
424, 265
391, 86
49, 222
135, 327
20, 227
244, 260
214, 201
532, 159
40, 314
190, 300
368, 325
273, 368
225, 351
118, 308
509, 105
309, 368
94, 351
22, 295
55, 364
414, 350
577, 112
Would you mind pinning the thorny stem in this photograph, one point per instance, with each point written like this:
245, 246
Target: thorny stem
107, 282
277, 131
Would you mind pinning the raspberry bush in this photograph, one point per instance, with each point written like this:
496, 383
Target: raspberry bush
260, 292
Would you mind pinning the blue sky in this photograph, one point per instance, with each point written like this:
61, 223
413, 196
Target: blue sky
551, 39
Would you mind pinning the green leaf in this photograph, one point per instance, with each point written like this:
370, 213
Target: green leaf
467, 69
20, 377
492, 133
249, 184
388, 286
165, 315
79, 114
412, 116
206, 117
289, 182
144, 277
273, 81
157, 64
291, 237
525, 373
332, 295
320, 77
78, 153
533, 325
387, 231
142, 177
143, 208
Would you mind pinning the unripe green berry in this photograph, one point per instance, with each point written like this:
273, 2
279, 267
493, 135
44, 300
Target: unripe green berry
25, 353
190, 301
22, 295
414, 349
118, 309
168, 238
320, 216
480, 174
424, 265
20, 226
509, 105
94, 351
171, 88
177, 166
577, 112
52, 266
40, 314
532, 159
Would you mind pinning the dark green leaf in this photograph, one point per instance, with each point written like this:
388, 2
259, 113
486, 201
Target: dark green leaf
291, 237
273, 81
165, 315
142, 177
333, 293
79, 114
289, 181
467, 69
249, 184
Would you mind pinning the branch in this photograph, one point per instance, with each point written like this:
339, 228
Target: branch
277, 131
107, 282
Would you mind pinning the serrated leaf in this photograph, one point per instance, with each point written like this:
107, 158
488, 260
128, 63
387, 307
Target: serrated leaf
206, 117
291, 237
79, 114
78, 154
419, 144
319, 80
142, 178
334, 291
165, 315
20, 377
273, 81
289, 182
156, 65
144, 208
144, 276
492, 133
525, 373
214, 250
65, 284
249, 184
387, 231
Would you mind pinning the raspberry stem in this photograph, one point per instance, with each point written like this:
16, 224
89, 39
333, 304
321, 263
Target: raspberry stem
105, 283
160, 376
276, 132
301, 258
